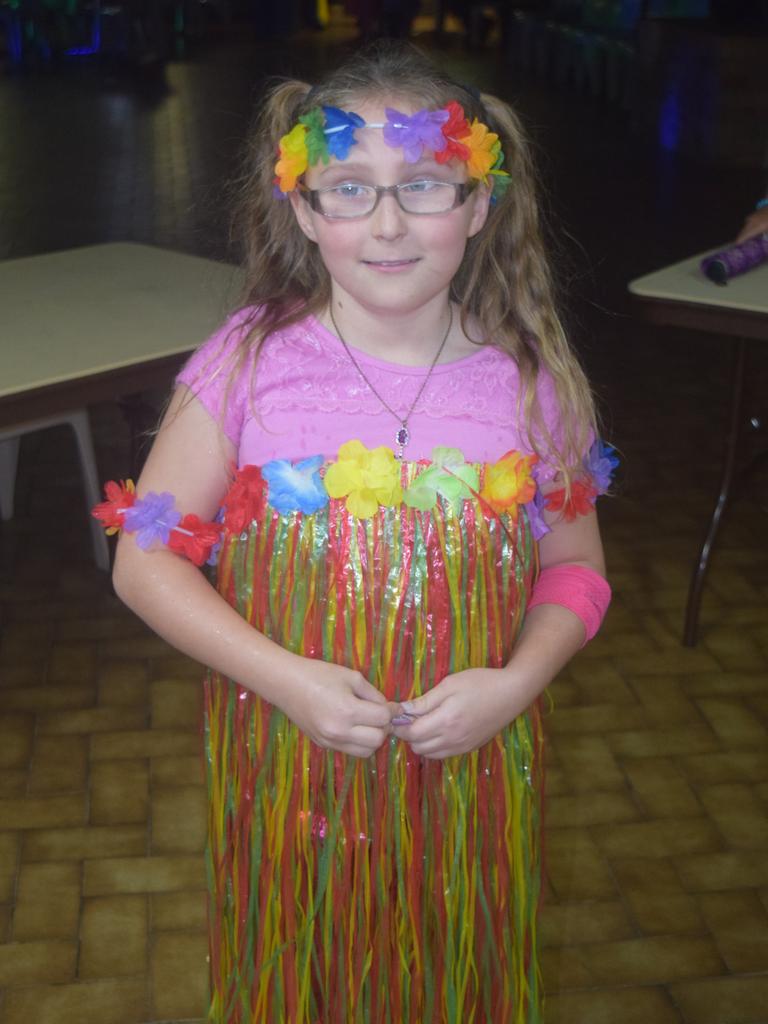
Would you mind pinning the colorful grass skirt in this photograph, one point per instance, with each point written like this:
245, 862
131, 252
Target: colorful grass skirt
394, 889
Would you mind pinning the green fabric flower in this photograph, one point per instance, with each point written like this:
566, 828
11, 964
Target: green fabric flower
317, 144
449, 476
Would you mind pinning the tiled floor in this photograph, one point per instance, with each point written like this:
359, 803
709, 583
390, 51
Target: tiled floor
657, 840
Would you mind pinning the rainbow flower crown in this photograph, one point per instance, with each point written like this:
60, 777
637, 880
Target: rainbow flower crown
327, 132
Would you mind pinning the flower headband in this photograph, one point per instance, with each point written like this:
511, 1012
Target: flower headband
327, 131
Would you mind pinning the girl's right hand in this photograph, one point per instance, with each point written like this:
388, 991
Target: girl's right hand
338, 708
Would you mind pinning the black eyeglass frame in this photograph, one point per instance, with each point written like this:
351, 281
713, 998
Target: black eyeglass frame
462, 191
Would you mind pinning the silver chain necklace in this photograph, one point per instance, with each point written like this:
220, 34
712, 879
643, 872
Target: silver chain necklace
403, 435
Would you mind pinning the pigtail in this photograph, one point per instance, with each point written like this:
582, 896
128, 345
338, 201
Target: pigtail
285, 278
506, 285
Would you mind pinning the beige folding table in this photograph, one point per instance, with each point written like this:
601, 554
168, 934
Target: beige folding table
94, 324
681, 296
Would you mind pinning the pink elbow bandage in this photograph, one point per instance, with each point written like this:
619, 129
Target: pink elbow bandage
582, 591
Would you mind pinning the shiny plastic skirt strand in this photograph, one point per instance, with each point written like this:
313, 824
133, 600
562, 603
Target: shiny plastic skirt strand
394, 889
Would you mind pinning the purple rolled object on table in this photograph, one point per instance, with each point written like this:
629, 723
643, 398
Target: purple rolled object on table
736, 259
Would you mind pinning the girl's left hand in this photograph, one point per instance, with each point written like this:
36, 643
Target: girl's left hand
461, 713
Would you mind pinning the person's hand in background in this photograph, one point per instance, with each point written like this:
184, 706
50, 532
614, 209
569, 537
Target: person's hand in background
756, 223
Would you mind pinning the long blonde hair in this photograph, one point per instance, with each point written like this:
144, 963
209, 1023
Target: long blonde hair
504, 284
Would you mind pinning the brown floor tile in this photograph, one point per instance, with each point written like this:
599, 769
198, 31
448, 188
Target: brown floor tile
600, 683
37, 963
738, 813
590, 809
656, 897
48, 698
93, 720
119, 792
47, 902
737, 1000
13, 781
10, 843
562, 967
179, 975
59, 764
81, 843
113, 937
662, 790
75, 662
733, 723
665, 702
144, 743
739, 923
44, 811
623, 1006
575, 869
735, 766
144, 646
663, 743
662, 838
15, 740
709, 872
596, 718
123, 683
176, 911
675, 661
588, 762
143, 874
562, 924
735, 650
177, 666
724, 684
654, 960
183, 771
112, 1001
176, 704
179, 820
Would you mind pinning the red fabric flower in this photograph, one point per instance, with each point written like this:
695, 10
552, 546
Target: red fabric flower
455, 128
581, 502
244, 498
120, 496
194, 538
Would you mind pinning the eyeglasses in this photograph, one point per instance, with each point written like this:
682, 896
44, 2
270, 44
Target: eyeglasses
347, 201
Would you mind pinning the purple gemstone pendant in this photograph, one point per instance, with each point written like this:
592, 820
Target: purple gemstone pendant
402, 437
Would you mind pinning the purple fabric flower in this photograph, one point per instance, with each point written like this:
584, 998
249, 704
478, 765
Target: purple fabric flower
340, 131
152, 518
298, 487
600, 462
416, 132
535, 510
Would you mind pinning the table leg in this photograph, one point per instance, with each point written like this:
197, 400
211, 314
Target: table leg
729, 465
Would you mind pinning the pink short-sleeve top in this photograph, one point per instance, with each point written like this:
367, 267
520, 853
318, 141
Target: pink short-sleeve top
305, 397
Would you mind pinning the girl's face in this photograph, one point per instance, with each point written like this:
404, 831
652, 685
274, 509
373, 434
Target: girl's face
390, 261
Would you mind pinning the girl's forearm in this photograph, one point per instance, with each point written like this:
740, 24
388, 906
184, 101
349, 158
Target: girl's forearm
548, 640
175, 599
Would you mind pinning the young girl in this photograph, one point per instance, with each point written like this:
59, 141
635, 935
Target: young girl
400, 445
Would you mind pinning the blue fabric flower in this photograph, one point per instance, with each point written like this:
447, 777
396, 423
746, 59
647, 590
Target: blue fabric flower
152, 518
340, 131
295, 487
422, 130
600, 462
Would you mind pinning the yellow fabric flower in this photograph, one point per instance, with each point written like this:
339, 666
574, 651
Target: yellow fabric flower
366, 477
509, 482
293, 158
483, 150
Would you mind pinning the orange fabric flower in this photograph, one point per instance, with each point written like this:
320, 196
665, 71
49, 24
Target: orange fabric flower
293, 158
509, 482
483, 148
